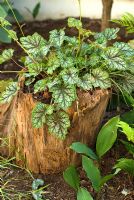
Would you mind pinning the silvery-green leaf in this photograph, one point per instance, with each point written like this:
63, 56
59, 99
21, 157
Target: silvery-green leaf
12, 34
35, 68
6, 55
107, 34
56, 38
58, 123
9, 93
124, 48
39, 114
53, 63
65, 61
101, 78
72, 22
40, 85
63, 95
4, 22
86, 82
70, 75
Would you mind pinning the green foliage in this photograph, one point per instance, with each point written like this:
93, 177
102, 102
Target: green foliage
4, 84
83, 194
35, 10
127, 130
62, 64
6, 55
125, 164
126, 20
37, 194
107, 136
129, 146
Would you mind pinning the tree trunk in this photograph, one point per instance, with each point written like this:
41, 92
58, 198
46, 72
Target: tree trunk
40, 151
106, 13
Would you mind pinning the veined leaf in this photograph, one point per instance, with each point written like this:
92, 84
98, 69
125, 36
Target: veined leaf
4, 22
92, 172
107, 136
35, 68
83, 149
36, 192
9, 93
86, 82
70, 75
107, 34
127, 130
126, 82
40, 85
63, 95
114, 59
125, 164
56, 38
124, 48
65, 61
6, 55
101, 79
33, 44
53, 63
58, 124
12, 34
72, 22
39, 114
71, 177
83, 194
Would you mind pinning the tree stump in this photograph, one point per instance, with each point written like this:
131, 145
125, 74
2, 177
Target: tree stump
39, 150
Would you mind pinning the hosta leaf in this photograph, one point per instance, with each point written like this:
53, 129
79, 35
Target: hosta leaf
40, 85
86, 82
70, 75
57, 37
63, 95
9, 93
125, 164
114, 59
72, 22
101, 78
39, 114
124, 48
127, 130
53, 63
33, 44
6, 55
58, 124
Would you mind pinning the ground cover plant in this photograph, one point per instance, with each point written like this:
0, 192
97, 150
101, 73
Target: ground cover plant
57, 68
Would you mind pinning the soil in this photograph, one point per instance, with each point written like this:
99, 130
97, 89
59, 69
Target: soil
121, 187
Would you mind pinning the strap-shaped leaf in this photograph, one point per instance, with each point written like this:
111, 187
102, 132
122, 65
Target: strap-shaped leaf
58, 124
56, 38
33, 44
6, 55
72, 22
101, 78
86, 82
63, 95
124, 48
9, 93
53, 63
39, 114
114, 59
70, 75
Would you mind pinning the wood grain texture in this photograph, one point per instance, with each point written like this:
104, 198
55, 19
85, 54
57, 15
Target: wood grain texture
39, 150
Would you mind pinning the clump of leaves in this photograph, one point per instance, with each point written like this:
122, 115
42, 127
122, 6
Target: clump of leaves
62, 64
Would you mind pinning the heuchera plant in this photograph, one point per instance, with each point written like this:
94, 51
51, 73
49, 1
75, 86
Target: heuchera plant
62, 64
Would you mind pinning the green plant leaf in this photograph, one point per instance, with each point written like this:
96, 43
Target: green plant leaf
70, 75
71, 177
4, 22
124, 48
127, 130
36, 192
125, 164
17, 14
129, 146
63, 95
9, 93
76, 23
12, 34
114, 59
53, 63
3, 13
126, 82
6, 55
65, 61
4, 36
39, 114
40, 85
86, 82
58, 123
33, 44
4, 84
107, 136
128, 117
36, 10
101, 78
107, 34
92, 172
83, 149
56, 37
35, 68
83, 194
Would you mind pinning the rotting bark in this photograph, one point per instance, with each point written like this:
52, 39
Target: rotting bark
106, 14
39, 150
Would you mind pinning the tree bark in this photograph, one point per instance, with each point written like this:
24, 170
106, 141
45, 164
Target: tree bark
106, 13
37, 149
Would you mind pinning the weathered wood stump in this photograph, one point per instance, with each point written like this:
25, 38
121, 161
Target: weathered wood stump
36, 148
